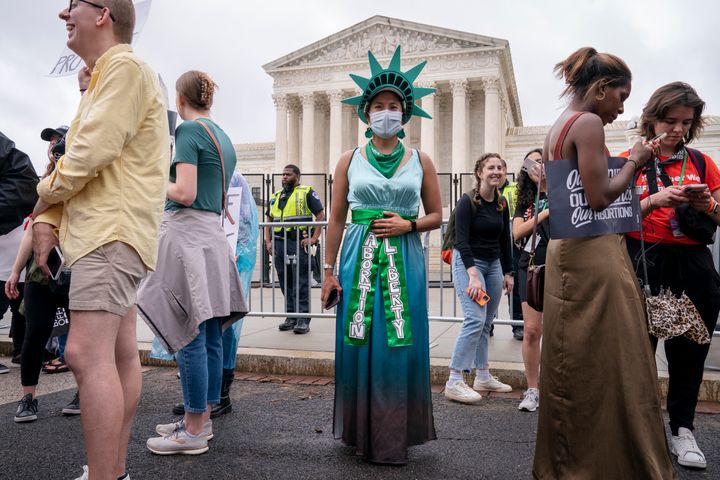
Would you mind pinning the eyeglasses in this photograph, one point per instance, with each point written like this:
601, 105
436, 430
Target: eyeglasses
73, 5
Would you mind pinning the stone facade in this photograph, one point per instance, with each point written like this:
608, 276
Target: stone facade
475, 109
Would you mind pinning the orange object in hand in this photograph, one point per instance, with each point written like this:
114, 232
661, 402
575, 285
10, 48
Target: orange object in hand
483, 299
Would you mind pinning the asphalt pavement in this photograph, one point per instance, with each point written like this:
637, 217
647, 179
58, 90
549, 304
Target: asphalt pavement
283, 431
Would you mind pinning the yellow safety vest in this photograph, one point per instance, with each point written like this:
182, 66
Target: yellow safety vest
296, 209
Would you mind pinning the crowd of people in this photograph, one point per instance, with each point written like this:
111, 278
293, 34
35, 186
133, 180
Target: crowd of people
131, 243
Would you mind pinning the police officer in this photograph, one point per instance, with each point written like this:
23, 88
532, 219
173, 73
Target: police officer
294, 203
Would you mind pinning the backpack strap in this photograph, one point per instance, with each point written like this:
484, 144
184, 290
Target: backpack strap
698, 160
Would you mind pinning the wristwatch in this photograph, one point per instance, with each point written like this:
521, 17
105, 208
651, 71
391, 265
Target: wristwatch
715, 209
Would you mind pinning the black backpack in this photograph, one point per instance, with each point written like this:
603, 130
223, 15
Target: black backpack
449, 237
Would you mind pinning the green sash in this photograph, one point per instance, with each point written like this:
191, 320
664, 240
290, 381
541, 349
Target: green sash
385, 258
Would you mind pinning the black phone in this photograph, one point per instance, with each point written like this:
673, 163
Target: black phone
333, 299
55, 262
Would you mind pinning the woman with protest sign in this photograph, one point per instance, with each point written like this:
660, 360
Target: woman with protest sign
600, 415
682, 181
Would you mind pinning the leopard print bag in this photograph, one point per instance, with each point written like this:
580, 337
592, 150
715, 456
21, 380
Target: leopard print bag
670, 316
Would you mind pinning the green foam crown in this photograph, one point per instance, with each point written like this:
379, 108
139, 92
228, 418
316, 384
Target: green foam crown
392, 78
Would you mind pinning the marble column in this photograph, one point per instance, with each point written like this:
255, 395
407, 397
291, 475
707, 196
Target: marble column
362, 128
293, 155
281, 131
307, 163
427, 125
459, 126
493, 115
336, 129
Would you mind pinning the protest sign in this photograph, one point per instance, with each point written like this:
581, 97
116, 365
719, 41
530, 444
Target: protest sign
234, 196
571, 214
69, 63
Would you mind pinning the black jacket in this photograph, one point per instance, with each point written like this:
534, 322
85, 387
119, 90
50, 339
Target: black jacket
18, 182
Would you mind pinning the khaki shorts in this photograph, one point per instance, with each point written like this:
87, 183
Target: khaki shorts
107, 279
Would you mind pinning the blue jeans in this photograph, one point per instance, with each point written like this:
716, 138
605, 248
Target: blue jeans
230, 340
200, 364
471, 346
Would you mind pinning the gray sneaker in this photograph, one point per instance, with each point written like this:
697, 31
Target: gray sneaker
178, 443
166, 429
85, 474
530, 401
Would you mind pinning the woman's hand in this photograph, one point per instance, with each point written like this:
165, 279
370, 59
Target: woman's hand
475, 286
508, 284
643, 151
11, 290
700, 201
392, 225
670, 197
329, 284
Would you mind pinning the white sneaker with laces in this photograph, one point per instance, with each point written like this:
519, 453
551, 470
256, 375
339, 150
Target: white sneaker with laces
530, 401
165, 429
686, 449
461, 392
491, 385
178, 442
85, 474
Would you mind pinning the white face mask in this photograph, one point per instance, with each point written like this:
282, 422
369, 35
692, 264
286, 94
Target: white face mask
386, 123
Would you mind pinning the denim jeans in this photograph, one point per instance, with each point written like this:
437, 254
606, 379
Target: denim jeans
471, 346
201, 364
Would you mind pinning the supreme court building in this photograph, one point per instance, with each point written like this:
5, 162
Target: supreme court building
475, 109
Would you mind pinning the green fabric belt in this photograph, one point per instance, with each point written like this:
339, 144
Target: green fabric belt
383, 257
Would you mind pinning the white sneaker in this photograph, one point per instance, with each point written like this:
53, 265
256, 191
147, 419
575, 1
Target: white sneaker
686, 449
530, 401
178, 442
460, 392
85, 474
491, 385
165, 429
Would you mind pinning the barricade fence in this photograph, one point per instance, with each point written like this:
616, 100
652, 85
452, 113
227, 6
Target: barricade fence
268, 287
267, 292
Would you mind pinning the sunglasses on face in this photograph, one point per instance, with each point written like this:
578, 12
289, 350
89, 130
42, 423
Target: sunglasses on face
74, 3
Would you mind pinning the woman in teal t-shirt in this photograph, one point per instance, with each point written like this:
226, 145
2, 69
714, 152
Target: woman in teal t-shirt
195, 292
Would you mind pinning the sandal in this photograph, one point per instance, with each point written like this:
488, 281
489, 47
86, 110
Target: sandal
57, 365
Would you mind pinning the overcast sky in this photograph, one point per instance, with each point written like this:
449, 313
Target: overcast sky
661, 40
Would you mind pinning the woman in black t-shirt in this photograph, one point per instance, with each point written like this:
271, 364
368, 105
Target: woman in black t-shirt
522, 229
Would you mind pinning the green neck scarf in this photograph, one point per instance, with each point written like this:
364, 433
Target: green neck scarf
383, 257
386, 164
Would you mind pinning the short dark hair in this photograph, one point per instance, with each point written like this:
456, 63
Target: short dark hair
294, 168
675, 94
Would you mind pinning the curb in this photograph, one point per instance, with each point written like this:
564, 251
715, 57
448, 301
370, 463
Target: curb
322, 364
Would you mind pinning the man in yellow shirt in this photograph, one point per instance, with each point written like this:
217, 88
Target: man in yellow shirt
106, 196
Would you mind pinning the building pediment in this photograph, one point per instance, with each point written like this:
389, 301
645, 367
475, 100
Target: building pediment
381, 35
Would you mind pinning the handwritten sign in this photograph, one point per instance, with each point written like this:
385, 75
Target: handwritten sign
234, 196
571, 214
68, 63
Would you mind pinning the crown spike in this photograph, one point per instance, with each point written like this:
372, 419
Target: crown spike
421, 92
420, 112
353, 100
375, 67
361, 82
413, 73
395, 62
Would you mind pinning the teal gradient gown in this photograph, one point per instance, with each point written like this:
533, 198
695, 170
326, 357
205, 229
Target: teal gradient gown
382, 395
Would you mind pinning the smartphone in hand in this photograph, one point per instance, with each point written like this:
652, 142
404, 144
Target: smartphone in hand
483, 299
55, 262
694, 188
333, 299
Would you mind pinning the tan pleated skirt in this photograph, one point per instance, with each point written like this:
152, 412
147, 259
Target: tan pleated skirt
600, 415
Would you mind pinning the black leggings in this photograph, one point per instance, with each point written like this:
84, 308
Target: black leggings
17, 325
689, 269
41, 303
